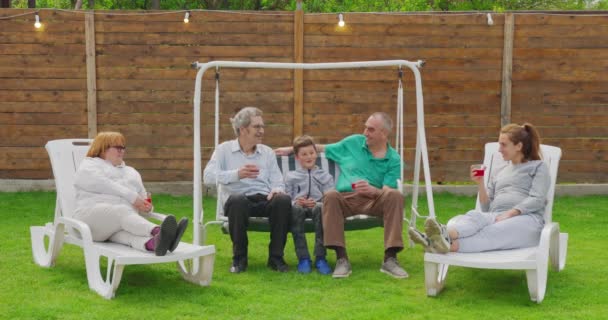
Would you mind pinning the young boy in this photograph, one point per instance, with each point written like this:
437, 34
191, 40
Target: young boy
306, 187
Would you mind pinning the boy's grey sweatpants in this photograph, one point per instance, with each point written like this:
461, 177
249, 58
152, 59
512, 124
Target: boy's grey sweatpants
477, 231
298, 232
117, 223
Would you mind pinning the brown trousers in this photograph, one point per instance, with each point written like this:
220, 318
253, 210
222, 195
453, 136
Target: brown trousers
337, 206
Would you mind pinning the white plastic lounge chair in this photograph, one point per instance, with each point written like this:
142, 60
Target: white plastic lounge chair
534, 260
286, 164
194, 262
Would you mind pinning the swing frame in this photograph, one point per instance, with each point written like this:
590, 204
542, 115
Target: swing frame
421, 155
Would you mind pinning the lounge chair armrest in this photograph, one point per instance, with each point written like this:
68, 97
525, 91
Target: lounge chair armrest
555, 244
81, 227
549, 237
157, 215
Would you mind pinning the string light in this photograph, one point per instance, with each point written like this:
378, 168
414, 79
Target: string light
490, 21
37, 24
341, 20
187, 17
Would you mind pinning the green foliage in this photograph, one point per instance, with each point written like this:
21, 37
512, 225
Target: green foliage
600, 5
332, 5
365, 5
158, 292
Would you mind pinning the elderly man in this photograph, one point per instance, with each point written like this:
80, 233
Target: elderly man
367, 185
249, 172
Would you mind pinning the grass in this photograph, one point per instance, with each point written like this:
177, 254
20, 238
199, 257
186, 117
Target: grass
158, 292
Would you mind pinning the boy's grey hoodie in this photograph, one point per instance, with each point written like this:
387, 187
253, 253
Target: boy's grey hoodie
308, 183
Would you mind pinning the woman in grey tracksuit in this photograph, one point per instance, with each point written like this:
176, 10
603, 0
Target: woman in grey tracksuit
512, 204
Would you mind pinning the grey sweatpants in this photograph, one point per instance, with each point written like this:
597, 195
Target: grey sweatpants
117, 223
477, 231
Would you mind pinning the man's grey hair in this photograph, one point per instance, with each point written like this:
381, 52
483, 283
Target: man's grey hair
387, 122
243, 118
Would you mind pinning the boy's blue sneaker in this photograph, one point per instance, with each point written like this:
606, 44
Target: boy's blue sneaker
322, 266
304, 266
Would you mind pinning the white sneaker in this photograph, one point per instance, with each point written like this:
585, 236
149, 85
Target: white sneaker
421, 239
438, 236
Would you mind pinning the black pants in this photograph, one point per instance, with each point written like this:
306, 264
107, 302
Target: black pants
239, 208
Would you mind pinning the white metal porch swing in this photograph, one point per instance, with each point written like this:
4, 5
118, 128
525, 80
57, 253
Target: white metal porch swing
421, 154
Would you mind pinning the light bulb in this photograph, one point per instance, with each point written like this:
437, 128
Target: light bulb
187, 17
37, 24
490, 21
341, 20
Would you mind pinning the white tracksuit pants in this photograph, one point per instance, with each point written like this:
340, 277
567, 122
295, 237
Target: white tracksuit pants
117, 223
477, 231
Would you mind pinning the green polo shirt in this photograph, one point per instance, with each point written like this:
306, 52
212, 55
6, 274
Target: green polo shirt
355, 160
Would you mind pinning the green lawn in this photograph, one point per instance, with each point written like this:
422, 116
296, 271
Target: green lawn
28, 291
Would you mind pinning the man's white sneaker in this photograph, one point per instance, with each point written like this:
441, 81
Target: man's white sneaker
342, 269
392, 268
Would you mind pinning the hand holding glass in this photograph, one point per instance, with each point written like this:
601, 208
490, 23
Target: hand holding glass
478, 170
354, 180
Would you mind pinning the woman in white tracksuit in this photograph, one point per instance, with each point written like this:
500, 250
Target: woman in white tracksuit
110, 198
512, 204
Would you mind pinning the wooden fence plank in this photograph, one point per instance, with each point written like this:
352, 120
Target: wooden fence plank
404, 29
227, 27
126, 51
91, 75
217, 39
507, 70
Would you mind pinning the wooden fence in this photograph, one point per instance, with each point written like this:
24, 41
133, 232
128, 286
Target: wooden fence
83, 73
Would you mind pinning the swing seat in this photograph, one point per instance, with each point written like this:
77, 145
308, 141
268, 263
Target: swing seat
194, 262
534, 260
286, 164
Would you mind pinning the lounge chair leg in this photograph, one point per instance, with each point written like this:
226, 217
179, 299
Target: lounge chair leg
537, 282
198, 271
558, 251
43, 256
105, 288
533, 285
434, 277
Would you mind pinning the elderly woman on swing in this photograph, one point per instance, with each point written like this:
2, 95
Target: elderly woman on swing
111, 199
512, 203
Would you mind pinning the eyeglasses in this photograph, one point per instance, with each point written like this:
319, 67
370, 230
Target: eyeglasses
119, 148
258, 127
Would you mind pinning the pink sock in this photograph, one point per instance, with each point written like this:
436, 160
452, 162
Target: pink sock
150, 244
155, 231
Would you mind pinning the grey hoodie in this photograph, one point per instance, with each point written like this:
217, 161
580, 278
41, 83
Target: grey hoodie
308, 183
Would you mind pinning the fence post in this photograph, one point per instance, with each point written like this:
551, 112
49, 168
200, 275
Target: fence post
298, 75
91, 74
507, 70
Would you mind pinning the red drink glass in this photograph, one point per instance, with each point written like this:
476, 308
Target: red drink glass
478, 170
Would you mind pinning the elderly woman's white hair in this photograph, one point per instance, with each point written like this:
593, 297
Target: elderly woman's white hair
243, 118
